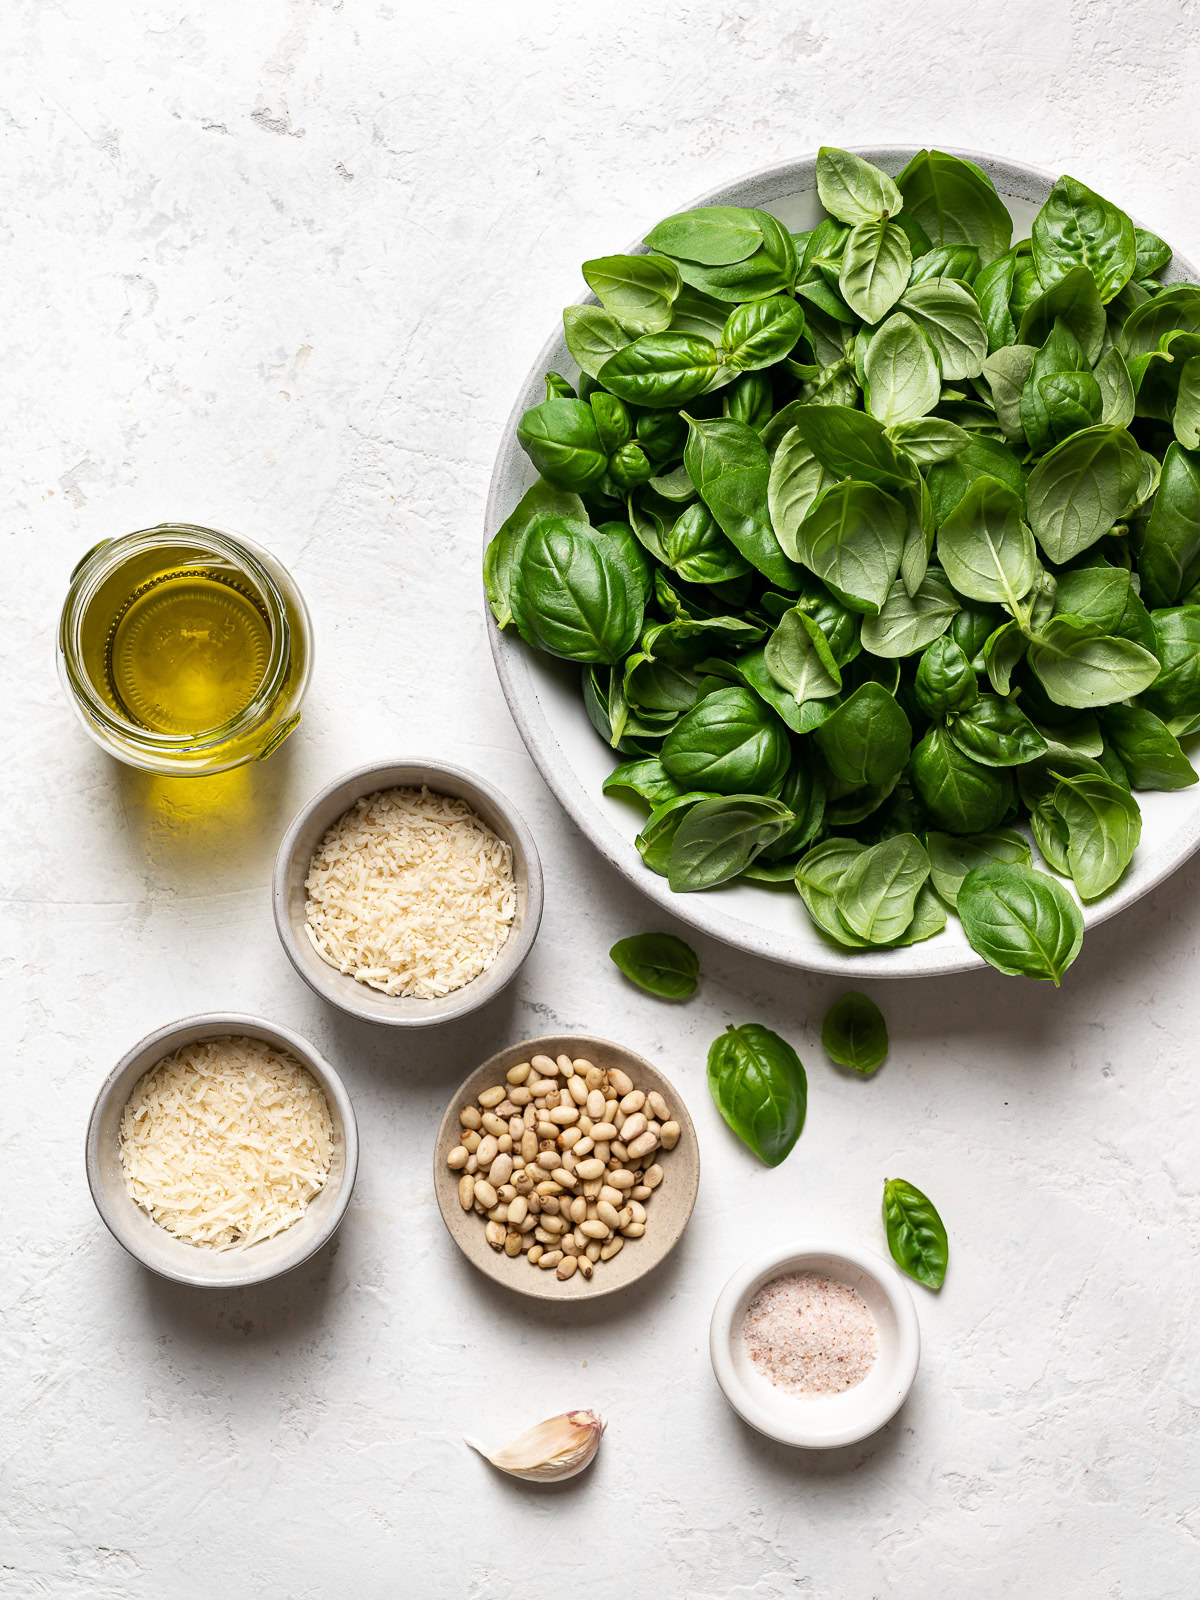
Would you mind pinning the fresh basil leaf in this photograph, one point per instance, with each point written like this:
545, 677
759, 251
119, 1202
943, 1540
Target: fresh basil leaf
543, 499
949, 481
916, 1235
1075, 302
729, 743
1077, 666
658, 832
878, 894
699, 313
1021, 921
1079, 490
729, 465
1078, 228
945, 679
867, 739
1097, 594
948, 314
759, 1086
952, 856
658, 686
854, 1033
646, 778
1103, 824
875, 268
1117, 399
799, 658
594, 335
572, 594
719, 838
1003, 652
852, 189
660, 963
698, 552
1175, 695
853, 539
901, 370
770, 269
749, 399
817, 877
849, 444
762, 332
803, 793
796, 482
1153, 254
955, 203
1147, 748
906, 624
960, 795
632, 553
985, 547
638, 290
994, 732
561, 439
1006, 372
716, 236
957, 261
1169, 558
662, 369
1176, 309
929, 439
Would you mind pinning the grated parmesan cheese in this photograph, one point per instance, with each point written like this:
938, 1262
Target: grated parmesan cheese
411, 893
226, 1141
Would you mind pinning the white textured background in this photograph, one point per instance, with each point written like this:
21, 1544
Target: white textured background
280, 266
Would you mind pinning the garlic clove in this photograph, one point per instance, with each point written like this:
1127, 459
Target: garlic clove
551, 1450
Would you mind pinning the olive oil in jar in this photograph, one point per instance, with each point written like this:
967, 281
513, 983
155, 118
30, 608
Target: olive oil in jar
186, 651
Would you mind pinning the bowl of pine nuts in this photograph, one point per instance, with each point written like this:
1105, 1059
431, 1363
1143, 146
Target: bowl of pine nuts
566, 1167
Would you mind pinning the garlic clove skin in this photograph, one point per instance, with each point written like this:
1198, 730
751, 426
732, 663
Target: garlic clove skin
549, 1451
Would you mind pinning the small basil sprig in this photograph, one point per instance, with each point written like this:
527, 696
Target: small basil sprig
854, 1033
760, 1087
916, 1235
660, 963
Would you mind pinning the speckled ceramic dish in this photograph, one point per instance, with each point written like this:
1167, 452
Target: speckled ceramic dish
159, 1250
668, 1210
543, 694
306, 832
826, 1421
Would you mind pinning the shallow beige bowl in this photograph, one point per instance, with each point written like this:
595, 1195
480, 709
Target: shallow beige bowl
667, 1212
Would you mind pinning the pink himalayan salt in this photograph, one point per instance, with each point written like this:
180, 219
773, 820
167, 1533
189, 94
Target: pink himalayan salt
810, 1334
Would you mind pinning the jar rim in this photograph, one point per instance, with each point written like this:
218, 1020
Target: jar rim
101, 560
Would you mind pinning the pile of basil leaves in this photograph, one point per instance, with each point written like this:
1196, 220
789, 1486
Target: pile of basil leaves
875, 541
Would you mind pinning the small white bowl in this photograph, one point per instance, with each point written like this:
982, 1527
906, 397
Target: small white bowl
151, 1244
825, 1422
307, 830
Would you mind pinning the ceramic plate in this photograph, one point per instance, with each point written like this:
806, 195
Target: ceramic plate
543, 694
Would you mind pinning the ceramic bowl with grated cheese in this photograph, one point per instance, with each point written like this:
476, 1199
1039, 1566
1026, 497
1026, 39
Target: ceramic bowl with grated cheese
408, 893
222, 1151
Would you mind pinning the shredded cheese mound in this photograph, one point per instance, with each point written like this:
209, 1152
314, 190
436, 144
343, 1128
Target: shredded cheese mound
411, 893
226, 1141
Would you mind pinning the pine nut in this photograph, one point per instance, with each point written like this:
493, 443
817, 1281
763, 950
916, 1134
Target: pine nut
521, 1097
512, 1244
547, 1204
469, 1117
670, 1135
544, 1066
653, 1176
621, 1081
471, 1140
612, 1248
563, 1116
529, 1145
620, 1179
605, 1212
639, 1192
466, 1193
457, 1158
519, 1073
578, 1090
594, 1230
612, 1196
500, 1170
590, 1168
583, 1146
638, 1209
566, 1267
488, 1150
658, 1106
527, 1243
603, 1150
633, 1101
542, 1086
548, 1187
595, 1105
578, 1209
485, 1193
643, 1145
491, 1097
593, 1250
535, 1255
518, 1209
634, 1124
554, 1224
585, 1266
515, 1129
550, 1259
494, 1233
634, 1230
505, 1108
603, 1130
566, 1179
472, 1165
493, 1124
592, 1076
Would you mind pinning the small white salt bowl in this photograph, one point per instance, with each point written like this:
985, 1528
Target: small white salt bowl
821, 1422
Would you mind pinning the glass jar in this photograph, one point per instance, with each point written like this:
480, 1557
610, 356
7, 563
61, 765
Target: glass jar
184, 650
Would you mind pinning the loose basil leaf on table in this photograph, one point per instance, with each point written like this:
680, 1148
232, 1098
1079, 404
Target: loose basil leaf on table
760, 1088
807, 487
660, 963
916, 1234
854, 1033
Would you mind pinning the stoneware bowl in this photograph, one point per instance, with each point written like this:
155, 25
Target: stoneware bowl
827, 1421
306, 832
543, 694
668, 1209
153, 1246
